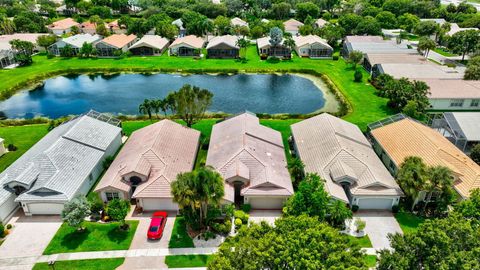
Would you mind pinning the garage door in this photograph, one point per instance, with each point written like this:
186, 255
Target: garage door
45, 208
159, 204
266, 203
375, 203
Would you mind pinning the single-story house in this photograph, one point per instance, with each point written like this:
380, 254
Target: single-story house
62, 26
114, 43
312, 46
30, 37
150, 45
403, 137
453, 95
320, 23
148, 163
455, 28
265, 48
292, 26
75, 42
238, 22
338, 152
116, 28
421, 70
88, 27
374, 44
372, 59
187, 46
460, 128
64, 163
223, 47
181, 30
251, 159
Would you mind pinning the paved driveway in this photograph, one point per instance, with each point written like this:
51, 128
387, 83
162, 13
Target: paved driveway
140, 240
264, 215
378, 225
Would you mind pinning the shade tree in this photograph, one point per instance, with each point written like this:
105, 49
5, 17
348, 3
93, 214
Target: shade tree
190, 103
75, 211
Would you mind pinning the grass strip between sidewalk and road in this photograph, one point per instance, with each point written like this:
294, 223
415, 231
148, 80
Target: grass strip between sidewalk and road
94, 264
183, 261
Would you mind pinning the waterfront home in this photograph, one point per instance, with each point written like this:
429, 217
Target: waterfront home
312, 46
420, 70
148, 163
150, 45
399, 137
460, 128
114, 45
63, 26
187, 46
266, 49
340, 154
223, 47
292, 26
372, 59
64, 163
75, 42
7, 54
251, 159
374, 44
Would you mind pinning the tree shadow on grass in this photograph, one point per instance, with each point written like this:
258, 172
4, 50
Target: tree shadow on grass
74, 239
118, 235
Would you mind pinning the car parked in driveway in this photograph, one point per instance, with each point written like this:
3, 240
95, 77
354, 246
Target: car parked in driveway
157, 224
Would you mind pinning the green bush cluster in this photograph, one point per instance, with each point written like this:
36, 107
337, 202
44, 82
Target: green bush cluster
222, 228
239, 214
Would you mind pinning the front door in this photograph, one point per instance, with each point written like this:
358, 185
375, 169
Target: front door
238, 193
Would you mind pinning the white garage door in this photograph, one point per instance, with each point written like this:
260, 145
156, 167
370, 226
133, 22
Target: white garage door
266, 203
45, 208
159, 204
375, 203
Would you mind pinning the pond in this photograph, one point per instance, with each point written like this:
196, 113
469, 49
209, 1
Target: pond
122, 94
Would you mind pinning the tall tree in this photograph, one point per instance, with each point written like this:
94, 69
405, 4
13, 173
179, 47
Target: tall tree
440, 181
412, 177
146, 108
470, 208
190, 103
296, 169
355, 58
46, 40
276, 37
475, 154
24, 51
7, 27
118, 210
464, 42
425, 44
75, 211
243, 43
473, 72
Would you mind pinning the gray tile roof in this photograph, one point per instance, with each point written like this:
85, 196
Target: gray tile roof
56, 167
469, 123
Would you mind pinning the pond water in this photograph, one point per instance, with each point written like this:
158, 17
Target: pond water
122, 94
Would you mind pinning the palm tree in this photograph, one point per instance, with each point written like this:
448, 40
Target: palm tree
156, 106
412, 177
164, 106
439, 178
289, 43
338, 212
146, 108
182, 191
7, 27
243, 44
425, 44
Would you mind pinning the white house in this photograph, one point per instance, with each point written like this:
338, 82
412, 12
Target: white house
64, 163
187, 46
75, 42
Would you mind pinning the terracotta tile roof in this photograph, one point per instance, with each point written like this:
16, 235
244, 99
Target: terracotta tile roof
152, 41
159, 152
292, 25
119, 40
191, 40
407, 137
241, 147
336, 149
63, 24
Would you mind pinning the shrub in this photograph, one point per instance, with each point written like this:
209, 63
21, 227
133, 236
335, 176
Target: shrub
96, 204
11, 147
246, 208
355, 208
228, 209
335, 57
360, 224
263, 56
395, 209
2, 230
238, 223
239, 214
50, 55
9, 226
357, 76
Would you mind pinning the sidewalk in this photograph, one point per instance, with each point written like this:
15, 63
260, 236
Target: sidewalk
105, 254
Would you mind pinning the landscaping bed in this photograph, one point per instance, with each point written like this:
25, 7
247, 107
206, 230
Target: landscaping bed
94, 264
95, 237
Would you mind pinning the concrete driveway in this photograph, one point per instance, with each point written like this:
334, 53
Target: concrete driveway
378, 225
140, 240
269, 216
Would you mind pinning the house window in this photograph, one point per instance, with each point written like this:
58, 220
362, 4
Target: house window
456, 103
112, 195
475, 103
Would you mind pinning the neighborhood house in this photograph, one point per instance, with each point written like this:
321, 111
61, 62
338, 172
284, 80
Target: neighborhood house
266, 49
75, 42
149, 45
187, 46
312, 46
115, 45
460, 128
62, 26
223, 47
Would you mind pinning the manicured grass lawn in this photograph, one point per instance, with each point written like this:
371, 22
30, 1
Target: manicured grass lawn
371, 260
96, 264
23, 137
444, 52
366, 106
363, 242
408, 222
95, 237
179, 261
180, 238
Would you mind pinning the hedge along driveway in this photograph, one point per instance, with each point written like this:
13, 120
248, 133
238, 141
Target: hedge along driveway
366, 106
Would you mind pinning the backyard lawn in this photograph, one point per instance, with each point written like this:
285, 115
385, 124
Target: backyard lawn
95, 237
95, 264
181, 261
180, 237
408, 222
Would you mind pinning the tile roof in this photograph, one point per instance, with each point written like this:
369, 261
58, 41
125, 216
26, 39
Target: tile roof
448, 89
320, 22
119, 40
336, 149
152, 41
395, 58
190, 40
425, 70
238, 22
265, 42
407, 137
228, 40
301, 41
292, 25
240, 146
78, 40
62, 160
66, 23
159, 152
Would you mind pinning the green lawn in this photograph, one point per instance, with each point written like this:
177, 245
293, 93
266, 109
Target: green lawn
180, 238
366, 106
23, 137
95, 264
363, 242
408, 222
179, 261
371, 260
95, 237
444, 52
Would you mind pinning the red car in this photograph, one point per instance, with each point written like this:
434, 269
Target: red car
157, 223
